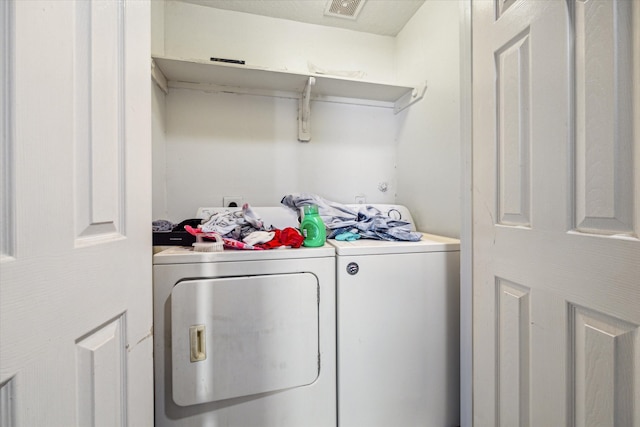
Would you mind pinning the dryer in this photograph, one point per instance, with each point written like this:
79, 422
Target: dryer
398, 330
245, 338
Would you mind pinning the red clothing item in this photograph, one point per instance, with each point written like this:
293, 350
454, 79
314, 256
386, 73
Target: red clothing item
286, 237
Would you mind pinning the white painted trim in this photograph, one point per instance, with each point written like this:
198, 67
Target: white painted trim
7, 240
7, 411
466, 227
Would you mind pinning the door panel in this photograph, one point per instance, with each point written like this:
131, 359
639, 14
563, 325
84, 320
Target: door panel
513, 336
604, 357
604, 163
556, 212
514, 152
98, 60
101, 359
75, 294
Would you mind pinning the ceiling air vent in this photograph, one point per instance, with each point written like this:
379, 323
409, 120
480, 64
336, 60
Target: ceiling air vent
348, 9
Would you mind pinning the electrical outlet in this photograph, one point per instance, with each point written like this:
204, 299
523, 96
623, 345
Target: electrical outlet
361, 200
232, 201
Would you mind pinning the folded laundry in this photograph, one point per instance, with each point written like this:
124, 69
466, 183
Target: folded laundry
368, 221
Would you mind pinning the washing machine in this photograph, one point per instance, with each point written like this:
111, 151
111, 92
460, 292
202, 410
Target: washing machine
398, 330
245, 338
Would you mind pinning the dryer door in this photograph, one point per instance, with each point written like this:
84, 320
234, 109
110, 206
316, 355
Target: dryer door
243, 335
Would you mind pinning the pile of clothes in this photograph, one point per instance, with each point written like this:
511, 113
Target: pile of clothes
346, 223
245, 229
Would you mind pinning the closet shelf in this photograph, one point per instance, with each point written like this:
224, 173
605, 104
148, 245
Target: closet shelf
228, 77
249, 77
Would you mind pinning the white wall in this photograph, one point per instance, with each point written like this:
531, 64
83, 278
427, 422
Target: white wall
158, 160
197, 32
159, 153
227, 145
428, 179
157, 27
221, 144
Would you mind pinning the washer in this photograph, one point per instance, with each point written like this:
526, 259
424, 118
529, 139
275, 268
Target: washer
398, 330
245, 338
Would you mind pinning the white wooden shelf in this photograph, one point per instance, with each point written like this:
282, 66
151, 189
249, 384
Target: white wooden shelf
228, 77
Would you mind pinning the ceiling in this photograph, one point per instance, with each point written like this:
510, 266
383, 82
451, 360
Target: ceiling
383, 17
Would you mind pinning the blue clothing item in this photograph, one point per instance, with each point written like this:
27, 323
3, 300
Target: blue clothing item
348, 236
368, 221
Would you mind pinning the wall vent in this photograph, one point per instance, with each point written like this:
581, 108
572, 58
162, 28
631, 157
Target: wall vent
348, 9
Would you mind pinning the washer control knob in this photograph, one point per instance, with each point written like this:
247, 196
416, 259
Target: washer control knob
394, 214
353, 268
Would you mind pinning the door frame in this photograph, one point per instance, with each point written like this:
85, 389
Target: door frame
466, 226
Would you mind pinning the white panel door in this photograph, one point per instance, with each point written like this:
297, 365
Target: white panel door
75, 290
556, 212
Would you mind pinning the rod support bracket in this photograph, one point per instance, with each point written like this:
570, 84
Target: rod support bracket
304, 112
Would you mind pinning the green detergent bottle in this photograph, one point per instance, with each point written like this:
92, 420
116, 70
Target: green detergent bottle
312, 227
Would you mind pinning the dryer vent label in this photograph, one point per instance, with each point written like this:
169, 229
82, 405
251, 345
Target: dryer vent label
353, 268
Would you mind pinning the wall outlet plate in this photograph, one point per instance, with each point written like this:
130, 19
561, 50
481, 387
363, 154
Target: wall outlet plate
232, 201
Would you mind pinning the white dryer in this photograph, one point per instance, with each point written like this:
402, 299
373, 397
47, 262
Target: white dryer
245, 338
398, 330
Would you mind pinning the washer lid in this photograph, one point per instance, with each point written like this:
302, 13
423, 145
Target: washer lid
428, 243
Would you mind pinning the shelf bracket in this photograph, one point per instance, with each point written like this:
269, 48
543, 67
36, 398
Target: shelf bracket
159, 78
410, 98
304, 112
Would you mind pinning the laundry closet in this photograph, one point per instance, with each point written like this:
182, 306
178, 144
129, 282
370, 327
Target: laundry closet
379, 124
211, 142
